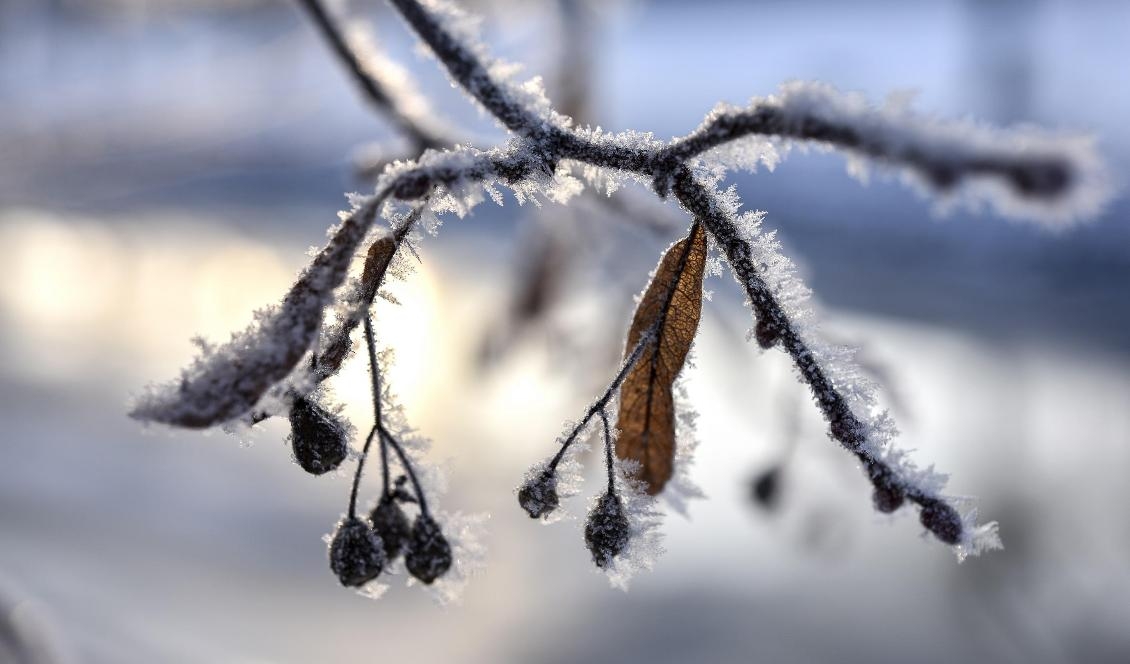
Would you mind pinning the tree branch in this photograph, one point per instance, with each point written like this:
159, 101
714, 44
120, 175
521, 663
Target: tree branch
385, 98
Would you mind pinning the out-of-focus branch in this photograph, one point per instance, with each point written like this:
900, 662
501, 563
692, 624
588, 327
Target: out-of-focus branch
382, 93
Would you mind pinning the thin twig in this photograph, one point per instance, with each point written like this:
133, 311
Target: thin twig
602, 402
608, 463
357, 473
382, 99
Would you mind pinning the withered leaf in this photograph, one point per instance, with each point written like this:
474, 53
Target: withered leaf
336, 342
671, 305
337, 346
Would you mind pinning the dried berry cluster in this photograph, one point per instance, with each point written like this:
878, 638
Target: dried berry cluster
361, 549
1024, 173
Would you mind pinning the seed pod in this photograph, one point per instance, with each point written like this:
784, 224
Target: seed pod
390, 522
943, 520
538, 496
607, 532
356, 553
317, 436
429, 555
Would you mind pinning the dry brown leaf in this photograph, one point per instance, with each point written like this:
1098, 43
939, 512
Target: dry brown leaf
377, 259
337, 347
376, 263
673, 303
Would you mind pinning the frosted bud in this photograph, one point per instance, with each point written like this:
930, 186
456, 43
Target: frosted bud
538, 496
356, 553
391, 524
429, 554
607, 531
317, 436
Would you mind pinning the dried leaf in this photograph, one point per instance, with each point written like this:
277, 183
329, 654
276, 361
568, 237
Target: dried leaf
671, 306
336, 342
337, 346
224, 382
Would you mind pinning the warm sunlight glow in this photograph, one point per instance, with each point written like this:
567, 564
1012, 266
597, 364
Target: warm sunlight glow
59, 274
414, 329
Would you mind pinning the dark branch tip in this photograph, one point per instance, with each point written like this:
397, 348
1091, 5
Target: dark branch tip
941, 519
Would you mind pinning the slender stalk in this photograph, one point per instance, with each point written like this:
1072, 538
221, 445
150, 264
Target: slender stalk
1034, 169
374, 371
669, 167
370, 344
357, 473
404, 461
608, 463
602, 402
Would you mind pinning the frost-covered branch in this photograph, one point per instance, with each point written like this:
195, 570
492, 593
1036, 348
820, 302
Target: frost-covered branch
450, 37
799, 116
227, 381
895, 479
1022, 172
1049, 177
385, 85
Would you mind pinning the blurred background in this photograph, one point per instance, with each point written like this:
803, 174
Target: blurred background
165, 165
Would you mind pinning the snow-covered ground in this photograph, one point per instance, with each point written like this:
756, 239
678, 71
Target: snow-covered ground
162, 176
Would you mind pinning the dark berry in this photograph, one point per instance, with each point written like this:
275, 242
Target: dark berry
429, 555
766, 487
607, 531
390, 522
317, 436
943, 520
356, 553
538, 496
